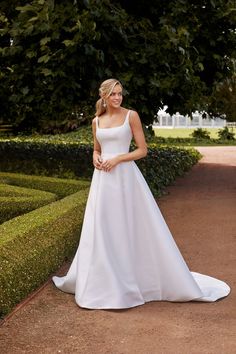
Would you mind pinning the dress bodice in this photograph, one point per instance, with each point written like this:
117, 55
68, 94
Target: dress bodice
114, 140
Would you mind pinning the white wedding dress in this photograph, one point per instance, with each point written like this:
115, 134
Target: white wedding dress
127, 255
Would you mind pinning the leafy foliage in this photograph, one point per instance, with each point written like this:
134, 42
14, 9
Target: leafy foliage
200, 133
60, 187
68, 157
164, 164
198, 137
15, 201
225, 134
172, 52
34, 245
223, 101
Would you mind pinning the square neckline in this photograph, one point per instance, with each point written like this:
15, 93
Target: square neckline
118, 126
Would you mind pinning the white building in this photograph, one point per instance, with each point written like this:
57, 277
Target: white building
165, 120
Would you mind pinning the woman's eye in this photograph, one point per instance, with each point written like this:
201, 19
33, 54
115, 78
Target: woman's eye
114, 94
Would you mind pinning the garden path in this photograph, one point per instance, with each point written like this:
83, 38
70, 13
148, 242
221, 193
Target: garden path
200, 210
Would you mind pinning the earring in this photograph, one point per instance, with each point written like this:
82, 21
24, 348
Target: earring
104, 103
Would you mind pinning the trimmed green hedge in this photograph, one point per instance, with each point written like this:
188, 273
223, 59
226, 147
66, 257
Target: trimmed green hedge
59, 186
164, 164
7, 190
34, 245
15, 201
66, 158
48, 158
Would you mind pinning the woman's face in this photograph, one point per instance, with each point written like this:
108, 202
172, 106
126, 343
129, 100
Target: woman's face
115, 98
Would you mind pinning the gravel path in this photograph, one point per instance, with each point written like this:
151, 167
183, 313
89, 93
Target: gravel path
200, 210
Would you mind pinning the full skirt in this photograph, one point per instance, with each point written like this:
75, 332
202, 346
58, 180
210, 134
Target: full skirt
127, 255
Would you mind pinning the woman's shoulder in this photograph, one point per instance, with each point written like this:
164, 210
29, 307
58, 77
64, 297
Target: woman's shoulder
133, 116
133, 112
94, 120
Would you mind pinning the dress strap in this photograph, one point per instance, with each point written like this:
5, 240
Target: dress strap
127, 116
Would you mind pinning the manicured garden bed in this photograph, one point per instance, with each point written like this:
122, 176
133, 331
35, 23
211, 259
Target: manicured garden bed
15, 200
59, 186
35, 244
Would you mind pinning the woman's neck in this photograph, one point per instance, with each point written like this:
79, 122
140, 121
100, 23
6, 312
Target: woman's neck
113, 111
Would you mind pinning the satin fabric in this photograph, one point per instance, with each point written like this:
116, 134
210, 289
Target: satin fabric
127, 255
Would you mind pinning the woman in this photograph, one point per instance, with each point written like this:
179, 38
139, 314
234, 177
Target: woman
127, 255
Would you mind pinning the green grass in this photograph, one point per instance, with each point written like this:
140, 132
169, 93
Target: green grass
185, 132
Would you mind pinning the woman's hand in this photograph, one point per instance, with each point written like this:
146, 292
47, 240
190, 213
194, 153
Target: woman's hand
97, 162
107, 165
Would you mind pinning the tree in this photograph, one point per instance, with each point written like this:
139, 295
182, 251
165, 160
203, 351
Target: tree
197, 41
164, 52
223, 100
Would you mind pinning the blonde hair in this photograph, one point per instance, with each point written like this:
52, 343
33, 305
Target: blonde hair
105, 90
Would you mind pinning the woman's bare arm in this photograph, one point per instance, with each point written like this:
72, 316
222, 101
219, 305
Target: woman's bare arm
96, 147
139, 138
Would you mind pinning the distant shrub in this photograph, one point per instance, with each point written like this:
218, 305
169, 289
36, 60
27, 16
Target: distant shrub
226, 134
200, 134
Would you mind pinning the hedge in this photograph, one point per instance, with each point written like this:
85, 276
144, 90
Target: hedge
34, 245
164, 164
59, 186
65, 158
15, 201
